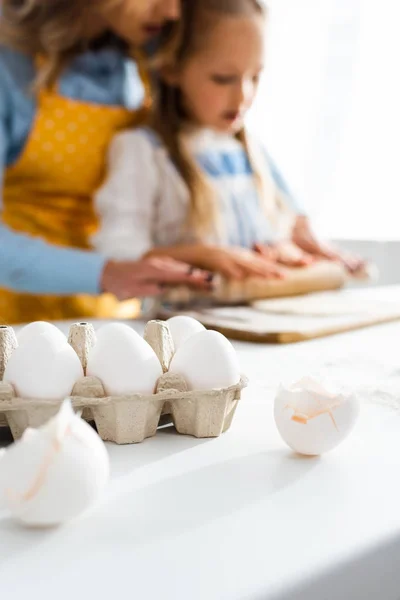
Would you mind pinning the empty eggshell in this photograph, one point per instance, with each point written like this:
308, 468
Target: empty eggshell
312, 420
33, 330
54, 473
43, 368
207, 360
182, 328
123, 361
3, 504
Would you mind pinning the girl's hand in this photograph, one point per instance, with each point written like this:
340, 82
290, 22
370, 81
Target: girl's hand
305, 238
149, 277
238, 263
285, 253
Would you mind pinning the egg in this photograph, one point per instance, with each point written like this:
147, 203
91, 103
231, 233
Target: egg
43, 367
182, 328
33, 330
207, 360
123, 361
312, 420
54, 473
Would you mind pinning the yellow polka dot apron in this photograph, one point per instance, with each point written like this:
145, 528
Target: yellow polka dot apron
48, 193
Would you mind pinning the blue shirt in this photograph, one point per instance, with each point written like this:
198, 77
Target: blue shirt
104, 77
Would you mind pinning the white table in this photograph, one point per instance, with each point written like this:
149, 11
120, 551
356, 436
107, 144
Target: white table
240, 517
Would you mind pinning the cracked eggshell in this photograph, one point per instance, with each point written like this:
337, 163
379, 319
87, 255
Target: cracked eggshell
123, 361
207, 360
312, 420
3, 505
182, 328
43, 367
33, 330
54, 473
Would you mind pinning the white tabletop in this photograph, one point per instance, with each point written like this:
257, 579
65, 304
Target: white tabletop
240, 517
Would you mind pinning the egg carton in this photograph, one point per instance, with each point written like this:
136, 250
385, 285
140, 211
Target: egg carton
126, 419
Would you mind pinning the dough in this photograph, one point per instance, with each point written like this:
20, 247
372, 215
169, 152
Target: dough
349, 302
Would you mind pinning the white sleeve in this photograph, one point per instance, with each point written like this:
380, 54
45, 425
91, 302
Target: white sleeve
126, 202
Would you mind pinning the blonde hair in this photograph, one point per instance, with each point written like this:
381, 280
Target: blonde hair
181, 41
54, 29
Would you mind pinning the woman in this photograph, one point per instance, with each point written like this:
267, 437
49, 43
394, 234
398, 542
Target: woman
66, 87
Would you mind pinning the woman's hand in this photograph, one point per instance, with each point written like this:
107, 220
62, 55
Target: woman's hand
231, 263
285, 253
238, 263
150, 277
306, 239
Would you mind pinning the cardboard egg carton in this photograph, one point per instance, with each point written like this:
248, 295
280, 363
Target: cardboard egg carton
126, 419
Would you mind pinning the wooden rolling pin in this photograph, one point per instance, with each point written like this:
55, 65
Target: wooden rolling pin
318, 277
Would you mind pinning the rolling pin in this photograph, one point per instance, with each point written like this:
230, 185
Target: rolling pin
318, 277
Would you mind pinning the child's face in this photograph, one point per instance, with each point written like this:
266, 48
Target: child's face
137, 21
219, 82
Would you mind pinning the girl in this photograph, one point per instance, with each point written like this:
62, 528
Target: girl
67, 85
200, 189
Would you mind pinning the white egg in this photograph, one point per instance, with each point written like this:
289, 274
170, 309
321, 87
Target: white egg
182, 328
54, 473
123, 361
33, 330
311, 420
43, 368
207, 360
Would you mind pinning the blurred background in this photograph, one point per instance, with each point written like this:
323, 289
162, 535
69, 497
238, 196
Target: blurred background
329, 113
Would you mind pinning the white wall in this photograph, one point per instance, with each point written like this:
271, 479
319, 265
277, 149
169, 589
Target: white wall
328, 110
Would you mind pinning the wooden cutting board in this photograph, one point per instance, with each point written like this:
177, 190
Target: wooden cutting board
284, 321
